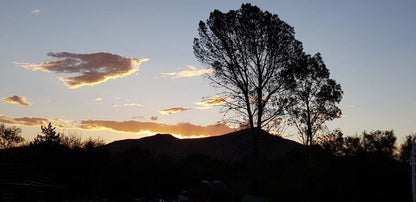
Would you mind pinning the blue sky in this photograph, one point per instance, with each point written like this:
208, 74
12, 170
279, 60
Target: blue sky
369, 47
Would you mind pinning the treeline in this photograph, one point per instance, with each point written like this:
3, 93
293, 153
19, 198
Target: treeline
379, 143
375, 143
11, 137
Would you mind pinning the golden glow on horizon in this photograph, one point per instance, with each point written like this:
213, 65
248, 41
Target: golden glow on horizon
179, 130
147, 133
189, 136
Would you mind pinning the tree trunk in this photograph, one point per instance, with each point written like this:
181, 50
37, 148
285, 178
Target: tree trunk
249, 113
259, 96
309, 126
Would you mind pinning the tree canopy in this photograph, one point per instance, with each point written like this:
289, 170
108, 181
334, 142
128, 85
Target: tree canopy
250, 52
314, 97
49, 138
10, 136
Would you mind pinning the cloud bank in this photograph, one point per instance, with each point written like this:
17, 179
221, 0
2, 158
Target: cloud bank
35, 121
173, 110
16, 100
182, 129
192, 72
185, 130
90, 69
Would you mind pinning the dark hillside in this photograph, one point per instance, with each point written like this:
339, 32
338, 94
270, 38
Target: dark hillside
229, 147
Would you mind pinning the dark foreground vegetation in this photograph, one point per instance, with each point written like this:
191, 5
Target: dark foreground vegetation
362, 168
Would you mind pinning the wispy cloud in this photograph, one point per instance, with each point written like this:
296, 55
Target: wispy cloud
91, 69
192, 72
138, 117
215, 100
17, 100
128, 105
99, 100
173, 110
182, 129
36, 121
35, 12
133, 105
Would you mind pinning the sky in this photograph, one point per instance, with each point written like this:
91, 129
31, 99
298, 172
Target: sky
126, 69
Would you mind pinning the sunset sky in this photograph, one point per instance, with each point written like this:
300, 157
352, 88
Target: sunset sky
113, 68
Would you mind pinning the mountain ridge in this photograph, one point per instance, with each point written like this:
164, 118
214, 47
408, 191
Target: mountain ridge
233, 146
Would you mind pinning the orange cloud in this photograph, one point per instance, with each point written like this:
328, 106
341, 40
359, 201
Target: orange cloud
182, 129
173, 110
91, 69
212, 101
186, 130
36, 121
188, 73
16, 100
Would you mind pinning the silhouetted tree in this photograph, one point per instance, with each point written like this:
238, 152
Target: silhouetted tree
250, 52
405, 150
352, 146
314, 97
92, 143
10, 136
71, 141
50, 137
379, 142
332, 142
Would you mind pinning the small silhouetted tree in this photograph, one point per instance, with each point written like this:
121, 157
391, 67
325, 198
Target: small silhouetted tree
250, 52
71, 141
405, 150
92, 143
314, 97
49, 138
10, 136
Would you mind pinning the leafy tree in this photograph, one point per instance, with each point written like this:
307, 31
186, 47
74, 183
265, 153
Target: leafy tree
250, 52
50, 137
352, 146
333, 142
71, 141
405, 150
10, 136
314, 97
92, 143
379, 142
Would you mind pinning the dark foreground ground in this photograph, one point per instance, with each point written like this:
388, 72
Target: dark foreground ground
97, 174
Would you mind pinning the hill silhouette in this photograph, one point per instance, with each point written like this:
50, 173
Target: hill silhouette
229, 147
